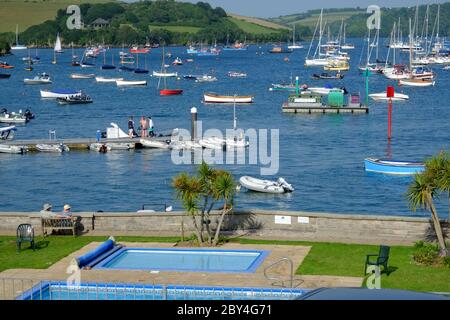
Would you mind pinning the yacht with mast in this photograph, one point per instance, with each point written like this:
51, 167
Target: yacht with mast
18, 46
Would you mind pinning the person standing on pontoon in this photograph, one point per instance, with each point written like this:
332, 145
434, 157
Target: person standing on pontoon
151, 128
131, 131
144, 127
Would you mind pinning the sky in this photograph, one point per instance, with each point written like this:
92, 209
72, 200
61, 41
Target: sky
275, 8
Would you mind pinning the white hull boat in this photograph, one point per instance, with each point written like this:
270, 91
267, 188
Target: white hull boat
323, 91
416, 82
59, 94
82, 75
216, 98
266, 186
206, 78
382, 96
150, 143
102, 79
125, 83
316, 62
121, 146
44, 147
165, 74
100, 147
13, 118
41, 79
13, 149
212, 143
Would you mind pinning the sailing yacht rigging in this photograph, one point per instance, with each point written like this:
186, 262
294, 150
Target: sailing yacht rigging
18, 46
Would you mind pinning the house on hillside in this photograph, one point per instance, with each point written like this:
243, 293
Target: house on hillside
99, 23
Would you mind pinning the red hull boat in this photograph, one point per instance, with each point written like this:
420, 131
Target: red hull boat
170, 92
139, 50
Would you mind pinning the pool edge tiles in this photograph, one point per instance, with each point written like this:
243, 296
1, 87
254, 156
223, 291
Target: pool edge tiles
252, 267
60, 290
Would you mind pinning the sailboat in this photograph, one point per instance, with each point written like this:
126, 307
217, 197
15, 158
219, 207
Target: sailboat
346, 46
294, 45
58, 47
165, 91
18, 46
140, 70
315, 60
75, 63
106, 66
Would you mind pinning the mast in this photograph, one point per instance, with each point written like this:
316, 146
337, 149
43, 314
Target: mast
17, 34
410, 46
314, 35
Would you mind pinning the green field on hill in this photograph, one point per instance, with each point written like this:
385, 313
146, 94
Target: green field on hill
251, 27
27, 13
311, 21
183, 29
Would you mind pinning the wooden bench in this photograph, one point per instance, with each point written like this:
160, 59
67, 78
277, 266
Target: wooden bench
50, 224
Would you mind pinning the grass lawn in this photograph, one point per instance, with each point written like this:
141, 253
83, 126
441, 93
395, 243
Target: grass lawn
323, 259
183, 29
251, 27
32, 12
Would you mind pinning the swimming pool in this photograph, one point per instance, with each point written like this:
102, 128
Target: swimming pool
56, 290
194, 260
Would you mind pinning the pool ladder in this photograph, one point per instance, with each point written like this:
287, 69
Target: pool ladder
279, 281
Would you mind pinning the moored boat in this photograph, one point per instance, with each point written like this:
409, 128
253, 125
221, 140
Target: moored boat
13, 117
100, 147
124, 83
103, 79
82, 75
209, 97
266, 186
39, 79
170, 92
393, 166
52, 147
165, 74
151, 143
5, 65
4, 75
382, 96
421, 82
59, 93
4, 148
82, 99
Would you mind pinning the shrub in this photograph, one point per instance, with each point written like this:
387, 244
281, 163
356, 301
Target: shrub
428, 254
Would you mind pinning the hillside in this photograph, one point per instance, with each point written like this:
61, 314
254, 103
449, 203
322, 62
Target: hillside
27, 13
169, 22
356, 18
260, 22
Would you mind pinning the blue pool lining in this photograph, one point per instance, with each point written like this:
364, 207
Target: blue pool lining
44, 285
262, 254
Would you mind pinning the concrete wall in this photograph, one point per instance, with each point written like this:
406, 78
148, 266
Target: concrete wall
256, 223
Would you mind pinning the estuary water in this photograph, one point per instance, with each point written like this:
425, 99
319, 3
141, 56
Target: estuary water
321, 155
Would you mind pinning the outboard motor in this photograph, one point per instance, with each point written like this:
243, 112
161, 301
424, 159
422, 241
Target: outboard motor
286, 186
28, 115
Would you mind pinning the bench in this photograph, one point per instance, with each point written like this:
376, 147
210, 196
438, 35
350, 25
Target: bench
50, 224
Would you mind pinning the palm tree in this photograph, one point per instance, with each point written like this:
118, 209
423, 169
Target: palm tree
426, 187
200, 193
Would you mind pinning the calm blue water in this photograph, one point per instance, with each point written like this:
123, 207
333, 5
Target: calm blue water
139, 292
321, 155
184, 260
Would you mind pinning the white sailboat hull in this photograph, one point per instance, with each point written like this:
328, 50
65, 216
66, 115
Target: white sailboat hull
162, 74
382, 96
125, 83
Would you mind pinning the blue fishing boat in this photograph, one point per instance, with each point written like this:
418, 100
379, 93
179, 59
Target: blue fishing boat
393, 166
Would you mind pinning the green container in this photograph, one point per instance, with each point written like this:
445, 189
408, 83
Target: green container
336, 98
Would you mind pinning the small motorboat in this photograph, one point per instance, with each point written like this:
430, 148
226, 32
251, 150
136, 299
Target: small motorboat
100, 147
235, 74
81, 99
211, 143
82, 75
191, 77
5, 65
7, 133
280, 50
267, 186
124, 83
327, 76
121, 146
85, 64
4, 75
108, 67
136, 49
151, 143
52, 147
102, 79
13, 117
59, 93
393, 166
217, 98
326, 90
382, 96
4, 148
170, 92
206, 78
43, 78
177, 62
